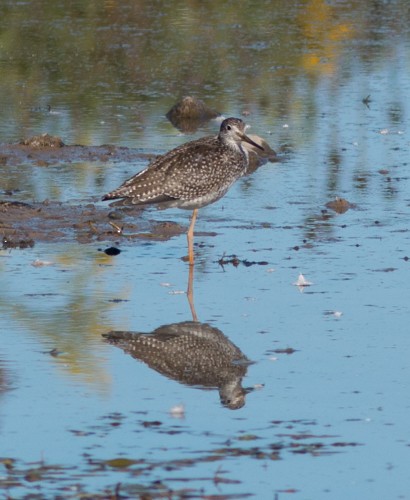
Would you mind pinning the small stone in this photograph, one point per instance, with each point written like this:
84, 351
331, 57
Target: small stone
339, 205
112, 251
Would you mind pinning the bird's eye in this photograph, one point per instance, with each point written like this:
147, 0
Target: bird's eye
228, 127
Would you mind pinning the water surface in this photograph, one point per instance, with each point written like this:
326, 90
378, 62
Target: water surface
326, 83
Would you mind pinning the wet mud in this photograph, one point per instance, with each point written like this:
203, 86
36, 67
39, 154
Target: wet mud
23, 224
43, 150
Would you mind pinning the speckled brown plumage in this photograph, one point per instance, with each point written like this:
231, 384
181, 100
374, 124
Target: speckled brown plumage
192, 175
192, 353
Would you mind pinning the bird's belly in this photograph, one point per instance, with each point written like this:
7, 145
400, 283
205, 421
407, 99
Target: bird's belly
201, 201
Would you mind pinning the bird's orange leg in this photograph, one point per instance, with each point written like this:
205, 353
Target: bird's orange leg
190, 237
190, 293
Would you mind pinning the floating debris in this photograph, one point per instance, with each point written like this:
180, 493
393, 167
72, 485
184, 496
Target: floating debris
287, 350
339, 205
302, 282
41, 263
235, 261
121, 463
335, 314
117, 229
151, 423
177, 411
385, 270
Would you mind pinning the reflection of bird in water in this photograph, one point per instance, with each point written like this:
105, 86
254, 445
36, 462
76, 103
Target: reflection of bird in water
192, 175
192, 353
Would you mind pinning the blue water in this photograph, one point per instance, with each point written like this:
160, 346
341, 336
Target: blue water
344, 388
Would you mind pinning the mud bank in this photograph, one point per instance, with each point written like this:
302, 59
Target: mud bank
44, 150
22, 224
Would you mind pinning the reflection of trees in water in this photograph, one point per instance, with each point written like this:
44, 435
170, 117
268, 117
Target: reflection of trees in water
5, 379
129, 51
67, 316
123, 63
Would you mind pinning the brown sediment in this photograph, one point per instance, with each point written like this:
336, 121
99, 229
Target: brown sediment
46, 150
339, 205
22, 224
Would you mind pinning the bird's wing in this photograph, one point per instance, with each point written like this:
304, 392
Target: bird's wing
199, 171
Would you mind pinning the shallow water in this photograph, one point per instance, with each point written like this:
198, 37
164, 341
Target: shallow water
327, 416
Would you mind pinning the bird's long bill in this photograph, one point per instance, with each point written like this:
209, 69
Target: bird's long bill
250, 141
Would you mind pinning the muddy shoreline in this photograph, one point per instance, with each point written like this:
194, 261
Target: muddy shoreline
44, 150
22, 224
